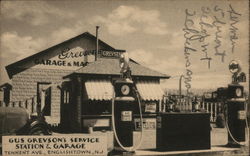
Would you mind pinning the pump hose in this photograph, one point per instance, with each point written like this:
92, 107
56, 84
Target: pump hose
131, 149
247, 127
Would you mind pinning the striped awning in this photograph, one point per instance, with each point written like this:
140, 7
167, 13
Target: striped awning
99, 89
103, 90
150, 90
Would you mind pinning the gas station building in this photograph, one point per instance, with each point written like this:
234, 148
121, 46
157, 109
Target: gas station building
80, 84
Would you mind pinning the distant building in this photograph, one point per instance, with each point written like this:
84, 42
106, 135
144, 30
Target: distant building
5, 93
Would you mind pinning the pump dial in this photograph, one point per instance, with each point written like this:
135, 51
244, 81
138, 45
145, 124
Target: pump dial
125, 89
238, 92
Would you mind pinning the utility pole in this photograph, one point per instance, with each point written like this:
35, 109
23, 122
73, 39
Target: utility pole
97, 43
180, 85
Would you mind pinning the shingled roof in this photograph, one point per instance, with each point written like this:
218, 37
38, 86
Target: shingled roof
111, 67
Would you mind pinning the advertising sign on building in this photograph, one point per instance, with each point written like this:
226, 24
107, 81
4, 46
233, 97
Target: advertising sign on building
69, 58
150, 107
148, 124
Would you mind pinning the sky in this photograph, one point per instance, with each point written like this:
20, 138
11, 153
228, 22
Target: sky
168, 36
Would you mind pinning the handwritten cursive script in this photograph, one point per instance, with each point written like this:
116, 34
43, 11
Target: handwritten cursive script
234, 19
209, 36
218, 23
189, 35
204, 24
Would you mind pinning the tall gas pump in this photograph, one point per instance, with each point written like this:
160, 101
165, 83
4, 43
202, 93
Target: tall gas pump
124, 101
236, 117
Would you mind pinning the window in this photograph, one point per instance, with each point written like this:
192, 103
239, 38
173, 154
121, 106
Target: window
65, 97
44, 89
47, 106
97, 107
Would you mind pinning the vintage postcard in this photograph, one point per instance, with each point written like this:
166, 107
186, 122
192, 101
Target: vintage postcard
124, 77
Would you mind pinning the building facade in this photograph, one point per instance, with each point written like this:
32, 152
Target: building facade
77, 83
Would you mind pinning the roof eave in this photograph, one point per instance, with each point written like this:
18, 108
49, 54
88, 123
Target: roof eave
92, 74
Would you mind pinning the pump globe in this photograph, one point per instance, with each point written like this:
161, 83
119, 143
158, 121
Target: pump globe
124, 60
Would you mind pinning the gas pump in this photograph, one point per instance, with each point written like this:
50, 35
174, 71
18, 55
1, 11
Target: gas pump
236, 115
236, 106
125, 97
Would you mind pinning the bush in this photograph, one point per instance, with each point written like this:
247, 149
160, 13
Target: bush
220, 121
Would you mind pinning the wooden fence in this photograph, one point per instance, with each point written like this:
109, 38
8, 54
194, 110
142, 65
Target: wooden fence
214, 108
30, 104
184, 104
